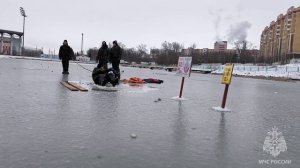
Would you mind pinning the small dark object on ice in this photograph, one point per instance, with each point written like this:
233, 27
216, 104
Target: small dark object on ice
158, 100
152, 80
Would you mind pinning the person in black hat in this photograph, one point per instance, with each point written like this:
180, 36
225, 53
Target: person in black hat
65, 54
103, 56
115, 57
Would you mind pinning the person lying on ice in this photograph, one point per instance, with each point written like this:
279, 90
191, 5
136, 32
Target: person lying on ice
104, 77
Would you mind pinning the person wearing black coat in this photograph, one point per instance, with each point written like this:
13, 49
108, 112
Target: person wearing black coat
115, 57
65, 54
103, 56
103, 76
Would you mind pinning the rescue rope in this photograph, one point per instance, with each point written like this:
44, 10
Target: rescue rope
84, 67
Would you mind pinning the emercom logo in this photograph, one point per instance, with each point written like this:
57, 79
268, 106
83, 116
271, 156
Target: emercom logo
274, 144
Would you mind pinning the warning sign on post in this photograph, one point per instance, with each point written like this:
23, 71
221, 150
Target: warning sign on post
184, 66
226, 79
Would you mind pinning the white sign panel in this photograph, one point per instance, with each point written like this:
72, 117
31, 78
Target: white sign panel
184, 66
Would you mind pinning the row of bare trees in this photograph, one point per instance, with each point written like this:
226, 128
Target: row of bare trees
169, 52
137, 54
30, 52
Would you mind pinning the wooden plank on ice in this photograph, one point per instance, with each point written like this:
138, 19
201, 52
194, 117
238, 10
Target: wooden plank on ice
70, 87
78, 86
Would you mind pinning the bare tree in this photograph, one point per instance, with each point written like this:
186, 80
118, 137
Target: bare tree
121, 45
142, 49
92, 53
193, 46
177, 47
245, 52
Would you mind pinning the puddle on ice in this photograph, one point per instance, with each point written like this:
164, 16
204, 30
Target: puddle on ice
220, 109
179, 99
105, 88
138, 88
129, 88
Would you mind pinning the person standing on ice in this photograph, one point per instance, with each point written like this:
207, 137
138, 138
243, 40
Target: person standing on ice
65, 55
115, 57
103, 56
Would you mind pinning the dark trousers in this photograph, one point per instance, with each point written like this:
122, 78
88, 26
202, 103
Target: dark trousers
65, 64
115, 66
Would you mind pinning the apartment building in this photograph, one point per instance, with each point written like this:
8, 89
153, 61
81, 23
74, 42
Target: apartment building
220, 46
280, 41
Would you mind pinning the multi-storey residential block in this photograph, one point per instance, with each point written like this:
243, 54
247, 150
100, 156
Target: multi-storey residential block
280, 41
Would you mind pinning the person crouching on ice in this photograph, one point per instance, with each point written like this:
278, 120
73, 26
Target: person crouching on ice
105, 77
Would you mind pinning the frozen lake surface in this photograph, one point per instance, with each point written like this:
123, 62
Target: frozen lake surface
42, 124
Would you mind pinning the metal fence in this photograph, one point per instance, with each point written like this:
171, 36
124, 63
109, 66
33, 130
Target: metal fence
253, 68
250, 68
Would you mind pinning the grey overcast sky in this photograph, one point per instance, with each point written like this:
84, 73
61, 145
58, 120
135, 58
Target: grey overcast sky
134, 22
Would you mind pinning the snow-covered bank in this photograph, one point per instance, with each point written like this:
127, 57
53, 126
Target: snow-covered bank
289, 71
28, 58
41, 59
3, 56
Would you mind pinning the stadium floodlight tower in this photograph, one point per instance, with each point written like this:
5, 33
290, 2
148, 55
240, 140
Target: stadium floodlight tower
22, 11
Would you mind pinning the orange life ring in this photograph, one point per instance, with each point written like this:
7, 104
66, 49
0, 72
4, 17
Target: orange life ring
135, 80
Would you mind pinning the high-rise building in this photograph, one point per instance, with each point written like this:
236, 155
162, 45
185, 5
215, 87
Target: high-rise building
280, 41
220, 46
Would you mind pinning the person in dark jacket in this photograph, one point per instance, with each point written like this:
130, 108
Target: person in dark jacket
65, 54
103, 55
115, 57
103, 76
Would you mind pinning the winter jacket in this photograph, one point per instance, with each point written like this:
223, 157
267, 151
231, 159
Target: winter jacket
103, 55
103, 76
65, 52
115, 53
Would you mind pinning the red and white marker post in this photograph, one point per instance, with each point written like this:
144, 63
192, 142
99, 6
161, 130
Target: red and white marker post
183, 70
